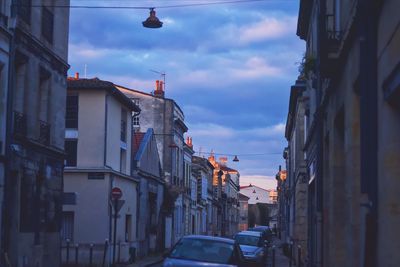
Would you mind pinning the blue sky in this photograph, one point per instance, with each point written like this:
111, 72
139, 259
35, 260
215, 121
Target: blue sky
228, 66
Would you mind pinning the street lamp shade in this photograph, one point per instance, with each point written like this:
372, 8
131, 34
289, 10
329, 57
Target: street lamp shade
152, 21
235, 159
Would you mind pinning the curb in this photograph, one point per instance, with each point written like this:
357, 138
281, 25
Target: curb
153, 263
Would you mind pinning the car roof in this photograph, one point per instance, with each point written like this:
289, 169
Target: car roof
261, 227
249, 233
211, 238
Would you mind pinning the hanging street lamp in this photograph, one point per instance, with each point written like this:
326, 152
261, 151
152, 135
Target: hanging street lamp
152, 21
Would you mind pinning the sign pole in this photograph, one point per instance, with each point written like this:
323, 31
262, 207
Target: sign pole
115, 228
116, 194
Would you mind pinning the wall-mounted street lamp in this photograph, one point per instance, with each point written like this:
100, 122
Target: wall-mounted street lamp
152, 21
235, 159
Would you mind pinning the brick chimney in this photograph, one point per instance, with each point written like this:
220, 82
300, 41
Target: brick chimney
76, 76
223, 161
159, 92
189, 142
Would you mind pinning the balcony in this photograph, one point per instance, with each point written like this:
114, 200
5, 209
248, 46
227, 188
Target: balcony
333, 34
44, 133
19, 124
3, 20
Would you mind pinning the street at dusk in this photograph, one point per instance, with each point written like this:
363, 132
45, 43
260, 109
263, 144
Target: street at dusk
173, 133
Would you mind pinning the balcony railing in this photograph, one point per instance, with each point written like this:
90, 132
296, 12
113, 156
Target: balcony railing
3, 19
19, 124
333, 34
44, 133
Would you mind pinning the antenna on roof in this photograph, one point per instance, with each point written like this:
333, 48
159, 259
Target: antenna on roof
162, 74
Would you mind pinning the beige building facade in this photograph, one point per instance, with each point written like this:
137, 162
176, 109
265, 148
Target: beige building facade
32, 107
243, 212
354, 102
5, 37
98, 146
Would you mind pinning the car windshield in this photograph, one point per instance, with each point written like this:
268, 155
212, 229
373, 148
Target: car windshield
256, 230
202, 250
248, 240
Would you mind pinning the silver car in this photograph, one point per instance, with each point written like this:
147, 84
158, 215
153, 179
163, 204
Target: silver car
253, 246
199, 250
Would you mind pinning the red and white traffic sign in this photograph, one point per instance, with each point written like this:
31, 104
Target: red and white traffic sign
116, 193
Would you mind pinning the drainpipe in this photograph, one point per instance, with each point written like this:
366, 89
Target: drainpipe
321, 67
369, 12
6, 209
111, 177
105, 129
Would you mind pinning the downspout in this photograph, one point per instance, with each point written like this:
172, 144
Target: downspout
105, 130
369, 12
138, 210
110, 176
321, 67
137, 185
6, 208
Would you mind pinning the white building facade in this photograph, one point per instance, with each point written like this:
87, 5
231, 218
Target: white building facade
98, 146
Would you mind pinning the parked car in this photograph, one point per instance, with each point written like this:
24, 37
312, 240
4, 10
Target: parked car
265, 230
253, 246
212, 251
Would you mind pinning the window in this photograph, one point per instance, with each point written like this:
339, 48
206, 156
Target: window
47, 24
96, 176
337, 15
122, 160
69, 198
2, 111
123, 125
44, 94
67, 227
128, 227
135, 115
71, 151
21, 81
71, 116
135, 121
177, 159
24, 10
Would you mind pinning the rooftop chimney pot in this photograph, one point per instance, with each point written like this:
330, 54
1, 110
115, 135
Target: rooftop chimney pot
159, 91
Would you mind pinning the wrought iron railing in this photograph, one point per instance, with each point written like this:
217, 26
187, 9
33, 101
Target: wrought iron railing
3, 19
333, 34
44, 132
19, 124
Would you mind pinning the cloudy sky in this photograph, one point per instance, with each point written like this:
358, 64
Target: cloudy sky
229, 67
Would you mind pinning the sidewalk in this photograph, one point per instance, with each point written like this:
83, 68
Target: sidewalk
280, 259
146, 261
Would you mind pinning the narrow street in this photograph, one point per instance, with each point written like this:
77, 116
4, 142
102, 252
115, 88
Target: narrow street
280, 259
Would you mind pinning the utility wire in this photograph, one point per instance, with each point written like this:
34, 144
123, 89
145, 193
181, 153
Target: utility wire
158, 7
241, 155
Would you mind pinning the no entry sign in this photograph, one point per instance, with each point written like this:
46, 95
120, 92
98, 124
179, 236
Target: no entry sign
116, 193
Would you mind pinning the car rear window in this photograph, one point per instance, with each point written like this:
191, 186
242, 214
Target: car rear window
202, 250
248, 240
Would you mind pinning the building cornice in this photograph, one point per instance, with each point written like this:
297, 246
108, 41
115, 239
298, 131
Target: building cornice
149, 176
35, 46
101, 169
303, 21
